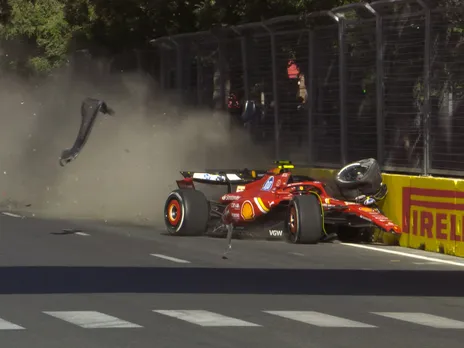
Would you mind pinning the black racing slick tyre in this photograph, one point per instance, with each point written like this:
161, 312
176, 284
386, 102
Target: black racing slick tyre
186, 212
369, 176
304, 220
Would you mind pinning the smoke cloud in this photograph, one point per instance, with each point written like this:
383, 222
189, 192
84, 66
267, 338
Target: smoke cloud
131, 160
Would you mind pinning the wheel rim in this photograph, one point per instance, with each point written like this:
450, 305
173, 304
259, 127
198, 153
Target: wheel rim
174, 212
293, 221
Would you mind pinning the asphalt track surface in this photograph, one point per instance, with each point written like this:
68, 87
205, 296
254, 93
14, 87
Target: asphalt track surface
131, 287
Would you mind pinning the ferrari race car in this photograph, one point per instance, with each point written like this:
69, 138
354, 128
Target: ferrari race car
277, 204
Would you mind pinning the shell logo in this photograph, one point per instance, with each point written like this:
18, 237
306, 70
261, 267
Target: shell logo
366, 209
247, 212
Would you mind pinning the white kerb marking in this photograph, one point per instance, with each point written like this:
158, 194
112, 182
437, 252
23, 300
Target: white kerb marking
173, 259
319, 319
92, 320
12, 215
204, 318
6, 325
424, 319
413, 256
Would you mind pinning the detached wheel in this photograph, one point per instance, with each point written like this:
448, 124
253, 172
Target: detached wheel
304, 220
186, 212
364, 174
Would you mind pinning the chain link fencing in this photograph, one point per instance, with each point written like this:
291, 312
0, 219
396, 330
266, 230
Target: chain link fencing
382, 80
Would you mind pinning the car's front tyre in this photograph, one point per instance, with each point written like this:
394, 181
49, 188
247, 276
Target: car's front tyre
304, 220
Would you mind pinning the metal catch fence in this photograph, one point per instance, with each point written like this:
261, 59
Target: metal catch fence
382, 80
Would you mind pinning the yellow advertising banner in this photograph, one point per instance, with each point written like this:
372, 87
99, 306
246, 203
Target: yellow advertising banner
434, 222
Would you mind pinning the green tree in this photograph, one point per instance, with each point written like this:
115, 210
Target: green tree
42, 28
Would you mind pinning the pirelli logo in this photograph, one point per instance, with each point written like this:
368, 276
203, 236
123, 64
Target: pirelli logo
432, 213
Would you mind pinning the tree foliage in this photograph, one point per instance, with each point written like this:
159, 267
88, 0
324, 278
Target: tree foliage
38, 35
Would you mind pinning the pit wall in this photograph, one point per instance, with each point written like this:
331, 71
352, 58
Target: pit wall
429, 210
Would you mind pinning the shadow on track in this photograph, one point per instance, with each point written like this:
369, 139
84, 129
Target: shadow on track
67, 280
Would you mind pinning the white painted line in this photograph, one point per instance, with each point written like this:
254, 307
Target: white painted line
204, 318
12, 215
173, 259
319, 319
82, 234
6, 325
92, 320
413, 256
296, 254
427, 263
424, 319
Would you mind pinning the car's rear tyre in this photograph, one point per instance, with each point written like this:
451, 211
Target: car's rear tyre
304, 220
186, 212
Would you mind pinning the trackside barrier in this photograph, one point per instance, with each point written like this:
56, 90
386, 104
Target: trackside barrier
429, 210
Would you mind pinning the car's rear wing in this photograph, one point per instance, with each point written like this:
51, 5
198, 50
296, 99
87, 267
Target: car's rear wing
219, 177
229, 177
223, 177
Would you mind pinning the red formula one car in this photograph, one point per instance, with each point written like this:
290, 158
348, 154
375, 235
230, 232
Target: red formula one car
277, 204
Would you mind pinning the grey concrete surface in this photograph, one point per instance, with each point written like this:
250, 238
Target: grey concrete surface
110, 270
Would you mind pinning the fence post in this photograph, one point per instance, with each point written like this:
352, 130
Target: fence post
244, 54
220, 106
179, 69
379, 77
222, 72
199, 75
162, 45
246, 83
311, 68
426, 107
275, 90
310, 90
342, 85
380, 87
342, 82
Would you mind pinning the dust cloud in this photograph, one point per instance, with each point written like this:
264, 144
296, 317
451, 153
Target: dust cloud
131, 160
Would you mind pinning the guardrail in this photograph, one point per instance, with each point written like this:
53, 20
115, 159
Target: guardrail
382, 80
